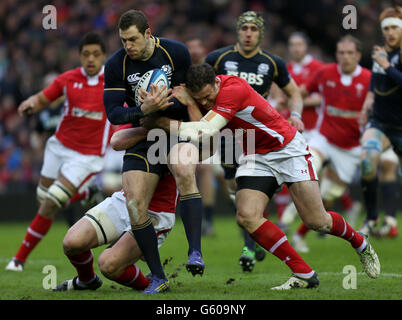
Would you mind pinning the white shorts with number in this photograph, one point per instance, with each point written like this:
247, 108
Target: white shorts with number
110, 219
292, 163
343, 161
78, 168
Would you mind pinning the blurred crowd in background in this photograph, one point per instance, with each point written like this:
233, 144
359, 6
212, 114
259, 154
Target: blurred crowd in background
30, 56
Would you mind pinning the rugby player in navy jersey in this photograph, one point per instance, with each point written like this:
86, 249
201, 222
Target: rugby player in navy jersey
384, 127
259, 68
141, 53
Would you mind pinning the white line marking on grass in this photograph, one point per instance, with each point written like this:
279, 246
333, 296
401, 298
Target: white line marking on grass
394, 275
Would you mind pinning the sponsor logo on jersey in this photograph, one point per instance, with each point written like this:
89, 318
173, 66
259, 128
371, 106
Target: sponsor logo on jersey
331, 84
263, 68
359, 89
77, 85
250, 77
227, 110
231, 65
133, 78
166, 68
79, 113
349, 114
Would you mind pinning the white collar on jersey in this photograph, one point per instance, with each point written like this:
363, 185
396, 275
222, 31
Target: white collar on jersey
346, 79
297, 67
93, 80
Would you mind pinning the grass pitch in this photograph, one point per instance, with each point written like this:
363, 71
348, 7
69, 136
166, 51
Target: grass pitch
223, 278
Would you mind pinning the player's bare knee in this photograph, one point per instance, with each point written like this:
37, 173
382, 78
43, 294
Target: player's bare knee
108, 265
185, 178
72, 244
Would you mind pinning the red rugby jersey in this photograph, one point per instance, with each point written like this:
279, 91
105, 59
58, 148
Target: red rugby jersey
343, 97
245, 109
84, 126
303, 73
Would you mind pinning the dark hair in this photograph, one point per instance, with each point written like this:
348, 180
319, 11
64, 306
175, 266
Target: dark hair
301, 35
134, 18
92, 38
198, 76
350, 38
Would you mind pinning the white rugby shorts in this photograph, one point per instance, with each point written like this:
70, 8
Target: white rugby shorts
343, 161
292, 163
78, 168
110, 219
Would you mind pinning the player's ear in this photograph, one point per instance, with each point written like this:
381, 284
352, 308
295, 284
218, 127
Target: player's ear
148, 33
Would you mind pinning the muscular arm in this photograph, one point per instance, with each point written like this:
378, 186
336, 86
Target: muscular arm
33, 104
154, 100
116, 113
295, 104
126, 138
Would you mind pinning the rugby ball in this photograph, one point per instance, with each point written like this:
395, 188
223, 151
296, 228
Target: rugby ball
155, 76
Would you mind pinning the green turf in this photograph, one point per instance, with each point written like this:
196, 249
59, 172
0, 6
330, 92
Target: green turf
223, 278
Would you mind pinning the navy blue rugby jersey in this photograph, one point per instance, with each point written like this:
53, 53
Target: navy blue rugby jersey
122, 73
387, 88
259, 70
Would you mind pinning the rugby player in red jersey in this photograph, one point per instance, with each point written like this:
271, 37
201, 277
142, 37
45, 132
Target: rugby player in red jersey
109, 223
343, 87
279, 154
75, 152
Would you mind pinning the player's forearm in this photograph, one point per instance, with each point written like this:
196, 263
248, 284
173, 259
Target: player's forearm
116, 113
194, 112
368, 102
312, 101
296, 103
124, 139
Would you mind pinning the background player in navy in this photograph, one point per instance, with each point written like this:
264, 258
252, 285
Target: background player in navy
384, 128
259, 68
143, 52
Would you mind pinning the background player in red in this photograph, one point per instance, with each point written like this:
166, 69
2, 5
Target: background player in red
278, 154
302, 67
75, 152
343, 87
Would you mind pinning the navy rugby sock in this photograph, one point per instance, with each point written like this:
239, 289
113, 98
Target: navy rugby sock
148, 243
390, 195
369, 189
191, 215
248, 241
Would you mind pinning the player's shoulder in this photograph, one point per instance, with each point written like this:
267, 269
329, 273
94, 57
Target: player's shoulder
269, 56
316, 63
366, 72
218, 53
171, 45
116, 58
329, 69
232, 85
71, 74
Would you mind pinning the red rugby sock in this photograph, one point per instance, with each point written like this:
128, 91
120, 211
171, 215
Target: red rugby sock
342, 229
36, 231
83, 263
302, 230
270, 237
133, 277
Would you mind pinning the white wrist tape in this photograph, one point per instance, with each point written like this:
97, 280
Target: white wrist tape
195, 129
